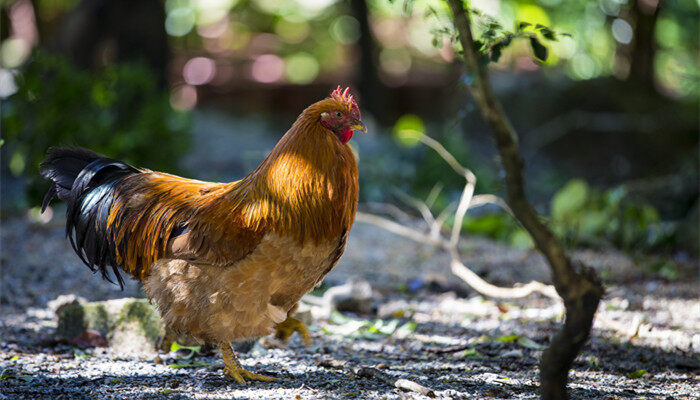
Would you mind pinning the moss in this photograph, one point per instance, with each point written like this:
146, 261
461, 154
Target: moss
128, 324
143, 317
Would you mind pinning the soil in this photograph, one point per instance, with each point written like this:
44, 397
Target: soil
644, 345
645, 342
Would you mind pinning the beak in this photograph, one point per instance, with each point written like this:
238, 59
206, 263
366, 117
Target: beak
359, 126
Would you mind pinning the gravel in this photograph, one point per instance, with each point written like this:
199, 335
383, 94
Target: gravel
652, 326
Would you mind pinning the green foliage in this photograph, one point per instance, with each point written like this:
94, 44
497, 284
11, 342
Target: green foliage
119, 112
584, 216
366, 329
637, 374
493, 38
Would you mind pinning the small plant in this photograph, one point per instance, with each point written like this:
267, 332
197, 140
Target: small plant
494, 38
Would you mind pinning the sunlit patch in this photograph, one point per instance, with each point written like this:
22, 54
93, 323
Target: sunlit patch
267, 68
199, 71
183, 97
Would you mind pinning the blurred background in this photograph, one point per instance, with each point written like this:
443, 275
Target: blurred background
204, 88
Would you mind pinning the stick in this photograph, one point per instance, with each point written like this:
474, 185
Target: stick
403, 384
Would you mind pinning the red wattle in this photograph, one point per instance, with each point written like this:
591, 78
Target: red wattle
346, 135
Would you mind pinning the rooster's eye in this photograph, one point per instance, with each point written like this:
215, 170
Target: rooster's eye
338, 114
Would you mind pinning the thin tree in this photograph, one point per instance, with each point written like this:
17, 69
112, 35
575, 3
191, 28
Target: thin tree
577, 285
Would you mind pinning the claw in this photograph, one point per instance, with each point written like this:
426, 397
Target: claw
242, 375
234, 370
287, 328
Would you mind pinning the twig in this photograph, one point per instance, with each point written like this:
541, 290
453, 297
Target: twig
374, 373
490, 290
451, 245
447, 349
403, 384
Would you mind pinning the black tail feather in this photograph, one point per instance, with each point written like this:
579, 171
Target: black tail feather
86, 181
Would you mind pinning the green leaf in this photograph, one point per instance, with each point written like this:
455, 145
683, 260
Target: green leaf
192, 364
521, 239
508, 338
175, 347
637, 374
569, 200
471, 352
538, 49
405, 330
530, 344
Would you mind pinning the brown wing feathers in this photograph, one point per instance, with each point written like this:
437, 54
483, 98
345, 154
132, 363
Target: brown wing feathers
122, 217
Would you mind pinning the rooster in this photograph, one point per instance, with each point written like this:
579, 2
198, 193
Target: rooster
223, 262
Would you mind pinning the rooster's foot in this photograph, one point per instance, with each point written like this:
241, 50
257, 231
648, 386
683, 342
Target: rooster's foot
242, 375
289, 326
234, 370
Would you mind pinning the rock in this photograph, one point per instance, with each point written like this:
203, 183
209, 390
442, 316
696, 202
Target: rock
129, 325
64, 300
354, 296
394, 309
89, 338
512, 354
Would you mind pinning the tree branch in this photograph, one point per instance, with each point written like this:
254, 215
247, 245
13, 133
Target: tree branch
450, 244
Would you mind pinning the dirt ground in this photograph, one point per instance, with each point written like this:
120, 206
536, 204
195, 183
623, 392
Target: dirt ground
421, 324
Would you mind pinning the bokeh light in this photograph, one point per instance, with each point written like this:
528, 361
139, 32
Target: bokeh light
199, 71
345, 29
183, 97
301, 68
267, 68
622, 31
179, 21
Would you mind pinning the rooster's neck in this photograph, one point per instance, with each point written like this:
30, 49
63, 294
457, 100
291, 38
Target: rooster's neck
306, 187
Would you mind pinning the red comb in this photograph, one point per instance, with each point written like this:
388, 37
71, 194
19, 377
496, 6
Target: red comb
341, 94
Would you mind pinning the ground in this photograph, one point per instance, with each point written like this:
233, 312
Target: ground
422, 325
644, 344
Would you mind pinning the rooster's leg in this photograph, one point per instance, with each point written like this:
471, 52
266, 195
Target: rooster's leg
234, 370
289, 326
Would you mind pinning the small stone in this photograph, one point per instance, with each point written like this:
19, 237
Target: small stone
512, 354
354, 296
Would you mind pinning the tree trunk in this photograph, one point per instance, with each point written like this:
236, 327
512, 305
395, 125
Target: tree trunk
371, 88
578, 286
643, 19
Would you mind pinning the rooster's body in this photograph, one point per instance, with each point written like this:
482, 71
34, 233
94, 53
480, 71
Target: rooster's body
223, 261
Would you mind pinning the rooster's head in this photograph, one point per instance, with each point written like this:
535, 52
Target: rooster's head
341, 115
